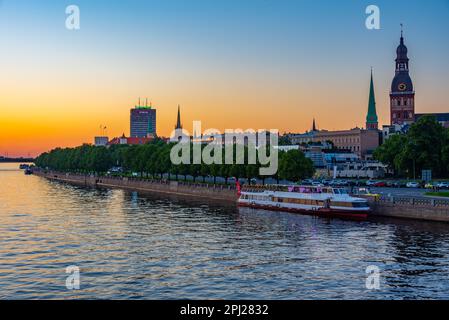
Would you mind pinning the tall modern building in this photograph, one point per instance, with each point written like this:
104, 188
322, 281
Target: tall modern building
402, 95
143, 121
372, 122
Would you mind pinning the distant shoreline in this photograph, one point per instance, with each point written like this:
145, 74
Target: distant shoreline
16, 160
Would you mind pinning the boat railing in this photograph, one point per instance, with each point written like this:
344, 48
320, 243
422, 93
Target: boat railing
263, 188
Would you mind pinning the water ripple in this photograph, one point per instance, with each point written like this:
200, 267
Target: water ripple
133, 246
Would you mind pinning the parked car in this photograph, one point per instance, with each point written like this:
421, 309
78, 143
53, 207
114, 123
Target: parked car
413, 184
339, 183
430, 185
402, 184
364, 191
371, 183
443, 185
392, 184
317, 184
115, 171
375, 183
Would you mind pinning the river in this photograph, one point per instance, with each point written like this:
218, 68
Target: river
132, 246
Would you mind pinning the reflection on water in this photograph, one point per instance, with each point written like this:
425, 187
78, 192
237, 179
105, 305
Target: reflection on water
128, 245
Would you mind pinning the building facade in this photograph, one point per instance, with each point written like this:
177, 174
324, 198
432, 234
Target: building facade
123, 140
359, 141
101, 141
143, 121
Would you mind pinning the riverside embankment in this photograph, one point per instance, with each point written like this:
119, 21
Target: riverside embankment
187, 189
427, 209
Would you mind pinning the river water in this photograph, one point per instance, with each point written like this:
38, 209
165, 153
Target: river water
129, 245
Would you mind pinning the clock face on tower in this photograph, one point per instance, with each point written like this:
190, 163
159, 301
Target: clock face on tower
402, 87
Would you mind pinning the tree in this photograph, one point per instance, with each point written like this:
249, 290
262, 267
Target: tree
284, 140
99, 159
389, 150
445, 153
425, 146
294, 166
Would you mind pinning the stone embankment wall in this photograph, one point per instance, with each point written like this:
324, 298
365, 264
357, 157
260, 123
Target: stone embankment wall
428, 209
188, 189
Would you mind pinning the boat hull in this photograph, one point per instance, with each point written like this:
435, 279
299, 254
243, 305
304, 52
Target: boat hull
323, 212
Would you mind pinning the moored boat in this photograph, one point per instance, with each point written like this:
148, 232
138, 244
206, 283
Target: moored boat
321, 201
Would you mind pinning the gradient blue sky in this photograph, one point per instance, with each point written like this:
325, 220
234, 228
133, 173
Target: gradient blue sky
236, 63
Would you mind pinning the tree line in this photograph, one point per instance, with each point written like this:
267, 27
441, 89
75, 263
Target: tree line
424, 147
152, 160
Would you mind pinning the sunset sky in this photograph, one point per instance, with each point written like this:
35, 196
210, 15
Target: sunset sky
272, 64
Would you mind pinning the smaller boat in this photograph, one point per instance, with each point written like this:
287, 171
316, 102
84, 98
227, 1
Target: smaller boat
24, 166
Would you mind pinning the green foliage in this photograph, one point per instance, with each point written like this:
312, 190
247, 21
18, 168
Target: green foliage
388, 152
424, 147
154, 159
443, 194
294, 166
284, 141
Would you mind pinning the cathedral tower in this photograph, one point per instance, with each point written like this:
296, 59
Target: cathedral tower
402, 95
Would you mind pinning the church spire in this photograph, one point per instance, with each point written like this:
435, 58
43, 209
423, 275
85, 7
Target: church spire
371, 118
314, 129
178, 121
402, 95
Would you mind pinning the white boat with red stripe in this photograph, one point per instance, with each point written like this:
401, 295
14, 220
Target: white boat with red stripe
322, 201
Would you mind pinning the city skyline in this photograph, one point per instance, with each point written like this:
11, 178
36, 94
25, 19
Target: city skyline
293, 58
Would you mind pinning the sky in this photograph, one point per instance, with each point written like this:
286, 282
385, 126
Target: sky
259, 64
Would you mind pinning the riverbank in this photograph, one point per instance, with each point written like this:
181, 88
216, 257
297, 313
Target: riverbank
184, 189
395, 207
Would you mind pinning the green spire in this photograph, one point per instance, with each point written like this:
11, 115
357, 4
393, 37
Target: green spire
371, 118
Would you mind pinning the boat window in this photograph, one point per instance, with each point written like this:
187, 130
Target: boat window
360, 204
